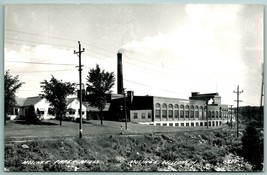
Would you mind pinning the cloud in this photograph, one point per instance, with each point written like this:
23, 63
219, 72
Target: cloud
204, 54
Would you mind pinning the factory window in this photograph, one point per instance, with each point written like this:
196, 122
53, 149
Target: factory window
216, 123
209, 123
196, 112
186, 111
164, 110
220, 114
217, 114
197, 124
157, 124
176, 113
201, 112
209, 114
164, 113
181, 114
205, 113
164, 124
170, 124
143, 115
205, 123
187, 124
213, 114
135, 115
157, 113
170, 114
201, 123
176, 124
157, 105
182, 124
192, 123
192, 111
170, 108
186, 114
149, 115
182, 111
213, 124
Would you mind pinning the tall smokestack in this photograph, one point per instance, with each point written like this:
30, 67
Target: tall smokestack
119, 74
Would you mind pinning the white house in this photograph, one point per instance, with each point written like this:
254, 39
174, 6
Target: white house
41, 107
73, 108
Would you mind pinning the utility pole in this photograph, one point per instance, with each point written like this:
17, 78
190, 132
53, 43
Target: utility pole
125, 108
262, 88
207, 113
231, 119
237, 108
79, 53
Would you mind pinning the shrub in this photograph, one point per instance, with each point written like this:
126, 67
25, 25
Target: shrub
252, 142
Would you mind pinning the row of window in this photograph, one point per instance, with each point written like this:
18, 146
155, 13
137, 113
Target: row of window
143, 115
211, 123
186, 114
186, 107
178, 114
170, 106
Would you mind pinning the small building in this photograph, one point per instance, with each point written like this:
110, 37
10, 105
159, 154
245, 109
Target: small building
41, 107
73, 109
17, 113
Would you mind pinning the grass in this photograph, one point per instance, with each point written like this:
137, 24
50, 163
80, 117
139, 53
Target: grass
52, 129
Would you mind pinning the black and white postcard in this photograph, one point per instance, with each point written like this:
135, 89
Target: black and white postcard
134, 87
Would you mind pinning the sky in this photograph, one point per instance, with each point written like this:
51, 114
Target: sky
168, 50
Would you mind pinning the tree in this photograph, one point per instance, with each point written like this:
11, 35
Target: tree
12, 85
99, 84
252, 142
56, 93
31, 116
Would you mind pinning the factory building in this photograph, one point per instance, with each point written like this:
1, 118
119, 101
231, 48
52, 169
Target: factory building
163, 111
198, 110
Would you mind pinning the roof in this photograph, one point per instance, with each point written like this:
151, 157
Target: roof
20, 101
32, 100
91, 108
70, 100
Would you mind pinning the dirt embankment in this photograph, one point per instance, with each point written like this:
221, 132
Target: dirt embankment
184, 151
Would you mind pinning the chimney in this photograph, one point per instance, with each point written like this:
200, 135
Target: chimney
119, 74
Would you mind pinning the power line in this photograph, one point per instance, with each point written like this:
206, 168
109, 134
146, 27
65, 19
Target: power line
59, 38
29, 33
145, 68
20, 44
165, 90
44, 71
27, 62
39, 42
